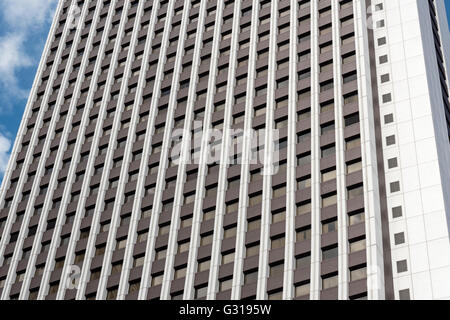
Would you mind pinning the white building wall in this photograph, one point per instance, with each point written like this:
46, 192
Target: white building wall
421, 146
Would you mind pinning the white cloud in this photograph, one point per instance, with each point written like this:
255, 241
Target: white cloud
13, 57
27, 14
23, 24
5, 145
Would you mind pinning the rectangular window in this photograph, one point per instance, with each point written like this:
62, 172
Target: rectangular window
329, 281
277, 243
329, 253
204, 265
302, 289
356, 218
303, 208
227, 258
277, 269
252, 250
329, 226
329, 200
358, 274
357, 245
278, 217
303, 234
303, 261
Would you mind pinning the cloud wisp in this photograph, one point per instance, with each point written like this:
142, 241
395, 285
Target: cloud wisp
23, 25
23, 28
5, 145
27, 14
13, 58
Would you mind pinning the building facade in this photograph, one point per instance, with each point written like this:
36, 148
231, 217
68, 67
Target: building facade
256, 149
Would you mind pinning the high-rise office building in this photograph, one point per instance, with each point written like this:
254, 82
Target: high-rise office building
210, 149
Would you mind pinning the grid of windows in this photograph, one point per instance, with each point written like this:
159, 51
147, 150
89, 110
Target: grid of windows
97, 178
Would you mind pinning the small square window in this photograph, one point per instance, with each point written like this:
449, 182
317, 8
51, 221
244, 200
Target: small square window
387, 98
392, 163
404, 294
394, 186
380, 24
381, 41
390, 140
399, 238
402, 266
383, 59
397, 212
378, 7
388, 118
385, 78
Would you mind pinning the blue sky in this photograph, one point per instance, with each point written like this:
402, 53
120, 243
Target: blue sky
24, 26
